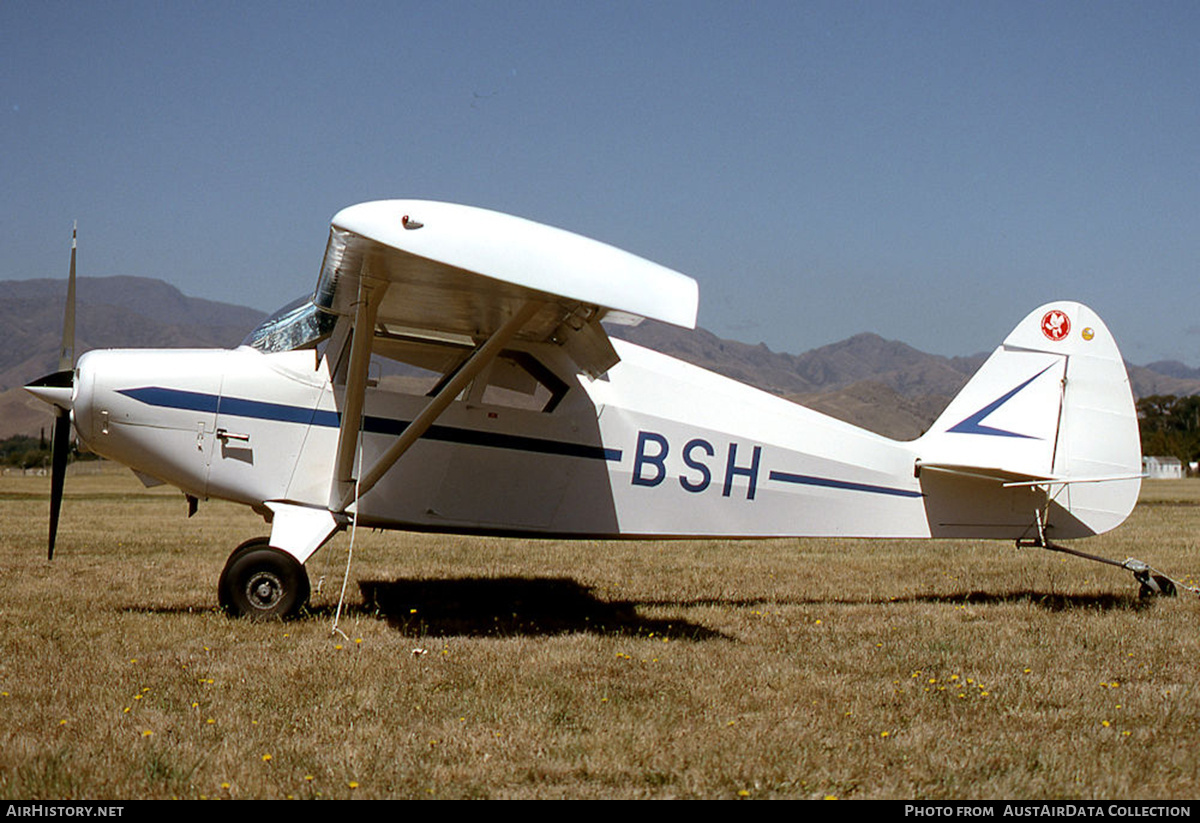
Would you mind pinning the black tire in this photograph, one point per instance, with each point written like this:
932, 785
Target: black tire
223, 596
262, 583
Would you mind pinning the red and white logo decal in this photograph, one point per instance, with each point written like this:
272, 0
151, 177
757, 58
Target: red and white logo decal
1055, 325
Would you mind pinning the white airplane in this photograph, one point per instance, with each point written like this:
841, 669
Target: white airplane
539, 424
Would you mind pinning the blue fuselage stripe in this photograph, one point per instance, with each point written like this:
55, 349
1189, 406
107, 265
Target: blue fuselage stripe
279, 412
830, 483
174, 398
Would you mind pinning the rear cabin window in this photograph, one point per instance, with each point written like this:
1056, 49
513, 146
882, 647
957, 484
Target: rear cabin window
515, 379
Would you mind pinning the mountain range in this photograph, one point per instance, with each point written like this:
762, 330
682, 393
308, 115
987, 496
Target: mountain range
883, 385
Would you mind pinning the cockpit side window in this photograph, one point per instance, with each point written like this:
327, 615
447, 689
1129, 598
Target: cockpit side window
298, 325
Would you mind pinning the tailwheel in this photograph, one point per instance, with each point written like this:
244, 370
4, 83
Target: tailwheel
1150, 583
262, 583
1153, 585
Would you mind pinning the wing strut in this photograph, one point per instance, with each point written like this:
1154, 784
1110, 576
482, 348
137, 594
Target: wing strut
365, 311
481, 357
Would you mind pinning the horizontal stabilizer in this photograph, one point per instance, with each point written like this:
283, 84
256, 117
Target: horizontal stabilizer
985, 473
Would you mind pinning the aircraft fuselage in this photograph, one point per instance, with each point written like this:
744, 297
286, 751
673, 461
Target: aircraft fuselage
656, 448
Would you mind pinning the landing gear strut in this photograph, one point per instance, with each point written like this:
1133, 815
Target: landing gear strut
1149, 583
262, 583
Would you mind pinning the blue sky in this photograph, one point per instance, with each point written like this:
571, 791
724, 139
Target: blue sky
930, 172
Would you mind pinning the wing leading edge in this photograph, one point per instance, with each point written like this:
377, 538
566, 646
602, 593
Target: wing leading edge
461, 272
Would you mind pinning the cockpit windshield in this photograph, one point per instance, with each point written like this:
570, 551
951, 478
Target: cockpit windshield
298, 325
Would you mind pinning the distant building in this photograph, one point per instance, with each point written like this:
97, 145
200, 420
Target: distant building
1162, 468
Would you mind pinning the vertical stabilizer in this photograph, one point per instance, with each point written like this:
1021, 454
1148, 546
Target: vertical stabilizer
1051, 406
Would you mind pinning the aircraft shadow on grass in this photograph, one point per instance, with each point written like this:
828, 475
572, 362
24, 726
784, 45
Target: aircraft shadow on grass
1049, 601
545, 606
1046, 600
525, 606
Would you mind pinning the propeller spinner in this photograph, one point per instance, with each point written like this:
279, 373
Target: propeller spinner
57, 389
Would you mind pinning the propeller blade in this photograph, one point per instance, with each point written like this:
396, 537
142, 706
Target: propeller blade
66, 353
60, 445
56, 389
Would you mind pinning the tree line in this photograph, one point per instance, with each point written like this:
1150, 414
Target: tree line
25, 452
22, 451
1170, 426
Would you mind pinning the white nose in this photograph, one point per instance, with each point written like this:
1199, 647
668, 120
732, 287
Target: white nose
82, 407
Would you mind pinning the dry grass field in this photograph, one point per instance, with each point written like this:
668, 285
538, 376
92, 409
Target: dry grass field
542, 669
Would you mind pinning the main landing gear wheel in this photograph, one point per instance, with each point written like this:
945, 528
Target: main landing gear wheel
262, 583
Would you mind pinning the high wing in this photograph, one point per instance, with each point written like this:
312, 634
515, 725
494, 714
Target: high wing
411, 271
460, 270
